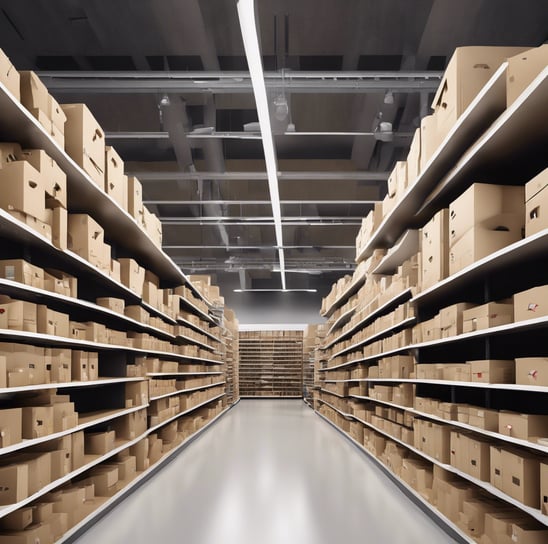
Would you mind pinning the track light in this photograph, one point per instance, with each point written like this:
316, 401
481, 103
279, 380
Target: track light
389, 97
164, 101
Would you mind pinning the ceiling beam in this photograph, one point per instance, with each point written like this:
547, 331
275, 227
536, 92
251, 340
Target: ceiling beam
264, 248
250, 202
217, 82
145, 175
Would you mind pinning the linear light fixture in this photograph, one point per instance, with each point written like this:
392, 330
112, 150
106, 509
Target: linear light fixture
250, 37
275, 290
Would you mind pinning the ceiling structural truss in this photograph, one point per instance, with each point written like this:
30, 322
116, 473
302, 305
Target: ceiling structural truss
248, 26
144, 175
214, 82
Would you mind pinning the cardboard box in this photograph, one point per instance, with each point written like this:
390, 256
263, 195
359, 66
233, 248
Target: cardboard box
537, 184
18, 520
435, 249
532, 371
487, 315
99, 443
115, 304
483, 240
478, 459
521, 477
414, 158
85, 141
522, 69
21, 315
483, 418
21, 271
135, 197
49, 321
138, 313
34, 534
34, 94
544, 488
430, 139
11, 426
495, 456
493, 371
140, 452
482, 202
103, 478
61, 464
23, 190
469, 69
53, 177
39, 467
115, 182
536, 213
14, 483
9, 76
524, 426
85, 237
531, 304
37, 421
132, 275
59, 228
77, 449
9, 151
451, 319
131, 425
528, 532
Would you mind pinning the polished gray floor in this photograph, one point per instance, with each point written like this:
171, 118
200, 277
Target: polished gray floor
268, 472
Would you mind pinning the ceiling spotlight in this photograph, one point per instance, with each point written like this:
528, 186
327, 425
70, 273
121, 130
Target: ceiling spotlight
389, 97
383, 132
281, 108
164, 101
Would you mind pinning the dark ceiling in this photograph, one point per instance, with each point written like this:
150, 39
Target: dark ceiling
181, 133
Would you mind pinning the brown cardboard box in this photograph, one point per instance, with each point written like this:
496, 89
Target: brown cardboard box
131, 425
115, 304
80, 366
53, 177
483, 418
85, 237
95, 332
99, 443
140, 452
61, 367
469, 69
430, 139
18, 520
34, 534
531, 304
60, 282
14, 483
458, 453
522, 69
435, 249
132, 275
49, 321
544, 488
135, 197
478, 458
496, 469
138, 313
37, 421
483, 240
11, 426
34, 94
536, 185
401, 366
9, 151
21, 315
414, 158
521, 477
77, 449
532, 371
59, 228
49, 126
103, 478
451, 320
39, 467
115, 181
493, 371
127, 467
9, 76
536, 213
61, 464
481, 202
85, 141
528, 532
487, 315
23, 190
21, 271
524, 426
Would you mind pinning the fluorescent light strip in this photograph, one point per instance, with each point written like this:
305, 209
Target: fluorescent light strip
275, 290
250, 37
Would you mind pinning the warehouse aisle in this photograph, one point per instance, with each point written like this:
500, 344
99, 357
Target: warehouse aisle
269, 472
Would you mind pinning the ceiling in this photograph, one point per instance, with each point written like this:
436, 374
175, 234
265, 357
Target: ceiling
169, 83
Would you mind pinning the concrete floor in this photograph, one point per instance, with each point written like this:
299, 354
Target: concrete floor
268, 472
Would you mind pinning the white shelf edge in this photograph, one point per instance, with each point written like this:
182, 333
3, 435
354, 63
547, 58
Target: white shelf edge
341, 318
65, 385
337, 303
160, 374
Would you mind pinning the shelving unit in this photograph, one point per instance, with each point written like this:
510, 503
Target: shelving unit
181, 331
271, 363
368, 386
231, 345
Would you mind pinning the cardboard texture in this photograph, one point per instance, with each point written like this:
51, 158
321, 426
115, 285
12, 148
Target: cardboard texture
85, 237
532, 371
435, 249
115, 182
9, 76
520, 477
525, 426
22, 189
85, 141
487, 315
134, 197
531, 304
493, 371
522, 69
469, 69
